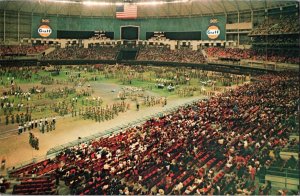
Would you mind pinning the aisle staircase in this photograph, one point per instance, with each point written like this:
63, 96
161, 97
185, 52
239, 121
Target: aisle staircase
49, 50
127, 54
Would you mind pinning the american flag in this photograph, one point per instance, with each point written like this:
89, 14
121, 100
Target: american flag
126, 11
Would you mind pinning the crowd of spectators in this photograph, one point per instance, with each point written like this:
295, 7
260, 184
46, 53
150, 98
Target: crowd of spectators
14, 50
281, 56
148, 53
214, 146
280, 39
234, 53
278, 25
75, 52
4, 184
159, 53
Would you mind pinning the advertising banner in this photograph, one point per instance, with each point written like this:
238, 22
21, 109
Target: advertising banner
213, 28
44, 27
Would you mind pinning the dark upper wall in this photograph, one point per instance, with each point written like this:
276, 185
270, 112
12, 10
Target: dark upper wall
58, 23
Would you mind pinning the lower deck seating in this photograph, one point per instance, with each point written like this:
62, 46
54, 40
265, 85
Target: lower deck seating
4, 185
36, 186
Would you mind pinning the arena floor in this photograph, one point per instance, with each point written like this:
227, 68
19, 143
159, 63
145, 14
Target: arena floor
15, 149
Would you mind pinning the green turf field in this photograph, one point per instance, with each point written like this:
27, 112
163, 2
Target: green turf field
79, 80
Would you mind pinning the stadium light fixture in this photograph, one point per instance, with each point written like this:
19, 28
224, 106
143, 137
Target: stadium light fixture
104, 3
92, 3
153, 2
59, 1
88, 2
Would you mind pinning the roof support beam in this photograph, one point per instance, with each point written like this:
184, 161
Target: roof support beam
45, 9
176, 9
265, 4
223, 5
59, 9
18, 27
5, 4
199, 8
166, 9
21, 6
191, 8
4, 30
34, 7
78, 9
145, 13
237, 6
250, 5
211, 8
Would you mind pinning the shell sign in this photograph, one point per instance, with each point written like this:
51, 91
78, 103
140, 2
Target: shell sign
213, 32
44, 31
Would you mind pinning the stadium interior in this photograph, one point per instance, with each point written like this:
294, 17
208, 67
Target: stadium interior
149, 97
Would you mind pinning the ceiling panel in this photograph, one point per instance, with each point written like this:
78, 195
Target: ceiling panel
193, 7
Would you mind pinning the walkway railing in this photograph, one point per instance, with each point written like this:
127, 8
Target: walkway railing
291, 149
283, 172
283, 178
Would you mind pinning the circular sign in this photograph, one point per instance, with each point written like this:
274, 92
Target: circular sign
213, 32
44, 31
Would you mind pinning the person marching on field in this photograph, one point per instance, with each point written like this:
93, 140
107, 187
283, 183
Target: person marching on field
54, 122
51, 126
25, 126
43, 127
6, 119
32, 124
29, 125
12, 119
40, 125
18, 118
165, 101
48, 127
20, 129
